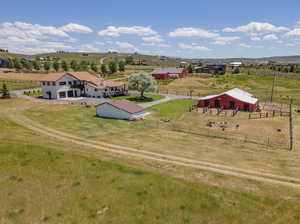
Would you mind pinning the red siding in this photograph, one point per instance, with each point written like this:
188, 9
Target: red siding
167, 75
225, 103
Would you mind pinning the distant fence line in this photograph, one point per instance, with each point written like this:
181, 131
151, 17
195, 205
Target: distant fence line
266, 141
268, 72
19, 80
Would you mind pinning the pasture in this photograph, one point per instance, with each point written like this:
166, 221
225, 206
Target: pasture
47, 181
182, 133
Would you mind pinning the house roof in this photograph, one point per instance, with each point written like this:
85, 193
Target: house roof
236, 93
125, 105
83, 76
104, 84
167, 70
94, 81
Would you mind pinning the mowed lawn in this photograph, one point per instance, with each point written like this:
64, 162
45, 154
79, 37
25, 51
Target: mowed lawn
159, 133
45, 181
135, 98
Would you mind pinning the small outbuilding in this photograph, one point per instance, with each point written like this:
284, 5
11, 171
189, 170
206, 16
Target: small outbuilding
169, 73
121, 109
232, 99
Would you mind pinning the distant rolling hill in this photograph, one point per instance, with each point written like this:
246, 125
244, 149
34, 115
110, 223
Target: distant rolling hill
153, 60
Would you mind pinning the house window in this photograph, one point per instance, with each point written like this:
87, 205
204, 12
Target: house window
53, 84
96, 90
62, 94
70, 82
44, 83
74, 82
62, 83
48, 83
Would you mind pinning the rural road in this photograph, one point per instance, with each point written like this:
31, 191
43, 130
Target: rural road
169, 159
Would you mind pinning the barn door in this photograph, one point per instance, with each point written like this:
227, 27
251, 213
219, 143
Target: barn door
217, 103
232, 105
246, 107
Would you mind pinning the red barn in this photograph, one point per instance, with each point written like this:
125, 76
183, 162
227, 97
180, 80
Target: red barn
232, 99
169, 73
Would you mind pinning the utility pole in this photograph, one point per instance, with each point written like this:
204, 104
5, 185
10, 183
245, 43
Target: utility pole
291, 126
273, 87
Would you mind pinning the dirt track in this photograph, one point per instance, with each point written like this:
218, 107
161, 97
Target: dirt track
175, 160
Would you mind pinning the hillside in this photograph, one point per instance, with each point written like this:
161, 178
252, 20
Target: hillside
153, 60
106, 57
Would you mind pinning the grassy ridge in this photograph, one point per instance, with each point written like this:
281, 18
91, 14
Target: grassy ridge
41, 184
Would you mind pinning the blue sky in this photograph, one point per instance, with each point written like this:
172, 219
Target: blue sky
191, 29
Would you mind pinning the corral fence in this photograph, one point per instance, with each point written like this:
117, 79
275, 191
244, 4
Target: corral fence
267, 141
268, 72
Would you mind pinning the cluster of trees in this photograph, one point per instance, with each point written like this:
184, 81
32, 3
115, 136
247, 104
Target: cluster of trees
74, 65
293, 68
3, 50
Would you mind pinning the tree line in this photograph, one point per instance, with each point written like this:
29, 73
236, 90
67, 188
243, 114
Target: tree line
16, 63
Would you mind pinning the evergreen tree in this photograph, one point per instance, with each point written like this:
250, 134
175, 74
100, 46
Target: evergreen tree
27, 65
56, 66
83, 66
10, 63
36, 65
47, 66
122, 66
94, 67
65, 66
74, 65
103, 69
16, 63
5, 92
129, 60
112, 67
190, 68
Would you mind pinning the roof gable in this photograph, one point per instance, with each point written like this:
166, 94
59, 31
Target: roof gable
236, 93
125, 105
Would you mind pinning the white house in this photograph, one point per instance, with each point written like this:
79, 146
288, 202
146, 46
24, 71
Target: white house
78, 84
236, 64
121, 109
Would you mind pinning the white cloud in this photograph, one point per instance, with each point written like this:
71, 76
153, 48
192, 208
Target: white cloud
152, 39
294, 32
76, 28
193, 47
126, 45
192, 32
155, 45
31, 45
100, 43
86, 48
113, 31
245, 45
255, 38
257, 28
270, 37
27, 30
226, 40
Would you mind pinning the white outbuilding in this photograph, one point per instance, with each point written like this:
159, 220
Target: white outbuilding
121, 109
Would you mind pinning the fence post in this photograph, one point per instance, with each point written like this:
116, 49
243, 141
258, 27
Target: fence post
291, 125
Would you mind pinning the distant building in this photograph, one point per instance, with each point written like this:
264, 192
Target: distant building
121, 109
79, 84
169, 73
2, 63
212, 69
236, 64
232, 99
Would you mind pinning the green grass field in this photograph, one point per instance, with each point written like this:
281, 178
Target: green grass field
43, 180
260, 86
135, 98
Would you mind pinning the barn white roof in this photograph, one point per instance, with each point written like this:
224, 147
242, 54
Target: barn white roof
236, 93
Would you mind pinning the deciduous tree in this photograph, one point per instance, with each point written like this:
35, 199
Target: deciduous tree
142, 82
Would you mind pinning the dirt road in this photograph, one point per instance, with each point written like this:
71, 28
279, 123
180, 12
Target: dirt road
174, 160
